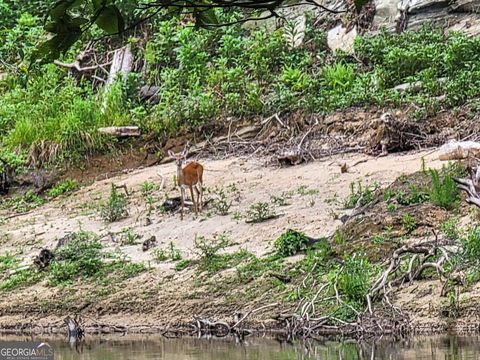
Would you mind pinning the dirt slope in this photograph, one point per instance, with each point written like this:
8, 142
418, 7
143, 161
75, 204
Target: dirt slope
163, 294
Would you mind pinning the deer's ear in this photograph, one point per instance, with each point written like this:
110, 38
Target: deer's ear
171, 153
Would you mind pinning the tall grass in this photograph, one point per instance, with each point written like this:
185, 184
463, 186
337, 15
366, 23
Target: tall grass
53, 116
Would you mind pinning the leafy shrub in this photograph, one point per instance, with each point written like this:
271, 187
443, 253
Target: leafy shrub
23, 277
116, 206
290, 243
168, 253
210, 260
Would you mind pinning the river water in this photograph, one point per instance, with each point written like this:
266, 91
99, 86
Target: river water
154, 347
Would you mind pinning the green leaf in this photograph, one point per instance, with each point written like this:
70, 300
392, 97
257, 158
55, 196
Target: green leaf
51, 49
110, 20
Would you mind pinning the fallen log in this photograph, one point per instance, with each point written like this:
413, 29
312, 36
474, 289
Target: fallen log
120, 131
459, 150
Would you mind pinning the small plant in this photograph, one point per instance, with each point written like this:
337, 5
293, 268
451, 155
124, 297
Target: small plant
391, 207
290, 243
183, 264
450, 228
129, 237
339, 237
115, 208
147, 190
282, 199
237, 216
409, 223
7, 262
221, 202
66, 186
354, 279
303, 190
414, 196
206, 248
160, 255
379, 239
259, 212
359, 195
444, 192
471, 243
173, 253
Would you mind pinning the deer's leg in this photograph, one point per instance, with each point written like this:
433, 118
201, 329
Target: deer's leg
200, 195
182, 197
193, 200
197, 192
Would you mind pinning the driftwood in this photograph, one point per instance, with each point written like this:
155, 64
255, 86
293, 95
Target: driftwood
471, 186
459, 150
120, 131
75, 330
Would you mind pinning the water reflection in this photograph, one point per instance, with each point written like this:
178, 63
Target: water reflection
155, 347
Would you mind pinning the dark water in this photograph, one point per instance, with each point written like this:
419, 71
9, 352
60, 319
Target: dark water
141, 348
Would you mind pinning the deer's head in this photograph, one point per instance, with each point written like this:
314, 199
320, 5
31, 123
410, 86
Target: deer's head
179, 157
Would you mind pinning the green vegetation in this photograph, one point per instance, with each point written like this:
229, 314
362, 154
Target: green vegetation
80, 259
128, 237
208, 76
451, 229
444, 192
63, 187
116, 206
169, 253
290, 243
22, 204
260, 212
359, 195
409, 223
221, 201
282, 199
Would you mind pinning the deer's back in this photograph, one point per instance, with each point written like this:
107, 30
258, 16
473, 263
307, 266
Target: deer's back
192, 173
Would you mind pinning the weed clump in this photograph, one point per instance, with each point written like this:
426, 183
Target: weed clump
359, 195
115, 208
290, 243
260, 212
444, 191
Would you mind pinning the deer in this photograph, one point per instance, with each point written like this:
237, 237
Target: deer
190, 175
